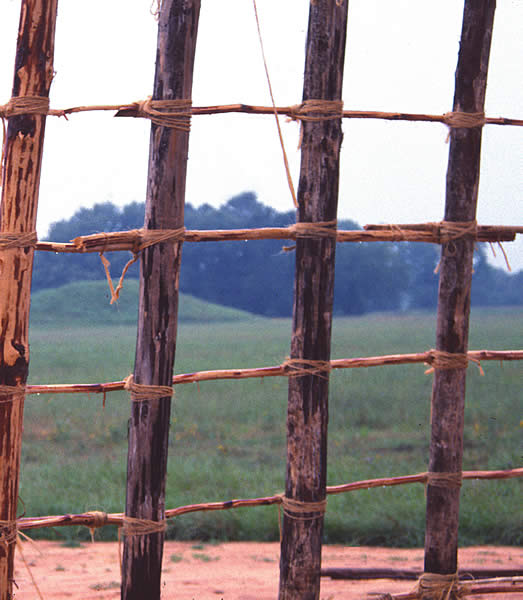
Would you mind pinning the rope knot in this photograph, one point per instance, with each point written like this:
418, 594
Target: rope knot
8, 532
140, 392
457, 119
296, 509
433, 586
175, 114
299, 367
452, 230
24, 105
99, 518
9, 240
316, 110
320, 229
439, 359
133, 526
444, 480
8, 393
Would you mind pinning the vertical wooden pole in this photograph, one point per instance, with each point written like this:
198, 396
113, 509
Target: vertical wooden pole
20, 186
158, 306
307, 416
448, 393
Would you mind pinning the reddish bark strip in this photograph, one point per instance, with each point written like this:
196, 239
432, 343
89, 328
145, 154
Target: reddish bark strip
307, 415
448, 392
20, 186
158, 309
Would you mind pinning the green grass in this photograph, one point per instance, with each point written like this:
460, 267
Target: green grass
228, 437
176, 558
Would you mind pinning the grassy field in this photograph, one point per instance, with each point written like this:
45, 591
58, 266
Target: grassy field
228, 438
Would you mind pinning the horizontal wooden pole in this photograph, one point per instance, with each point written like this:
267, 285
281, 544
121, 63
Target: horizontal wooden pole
423, 232
475, 589
93, 519
356, 573
274, 371
293, 112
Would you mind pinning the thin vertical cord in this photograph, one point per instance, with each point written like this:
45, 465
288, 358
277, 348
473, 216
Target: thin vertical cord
285, 160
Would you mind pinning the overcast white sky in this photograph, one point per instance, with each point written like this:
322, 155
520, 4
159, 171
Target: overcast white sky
401, 56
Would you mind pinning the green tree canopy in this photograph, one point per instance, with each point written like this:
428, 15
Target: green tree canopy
258, 276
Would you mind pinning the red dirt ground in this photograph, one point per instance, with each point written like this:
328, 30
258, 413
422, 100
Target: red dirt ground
233, 571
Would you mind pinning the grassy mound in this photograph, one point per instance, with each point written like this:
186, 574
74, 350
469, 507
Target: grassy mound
88, 303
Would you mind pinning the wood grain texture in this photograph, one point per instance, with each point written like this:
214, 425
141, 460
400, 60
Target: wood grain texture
307, 415
448, 393
20, 183
158, 303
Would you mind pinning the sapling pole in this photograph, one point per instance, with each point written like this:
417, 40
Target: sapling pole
20, 187
158, 304
307, 414
448, 392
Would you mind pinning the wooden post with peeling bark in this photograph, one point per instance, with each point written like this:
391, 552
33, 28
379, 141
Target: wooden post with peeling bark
158, 306
448, 392
20, 186
307, 415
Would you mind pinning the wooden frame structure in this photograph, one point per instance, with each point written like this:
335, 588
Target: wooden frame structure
159, 246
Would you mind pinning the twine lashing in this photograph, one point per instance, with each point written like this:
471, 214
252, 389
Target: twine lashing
140, 238
9, 393
452, 230
10, 240
8, 532
320, 229
149, 237
175, 114
402, 233
24, 105
299, 367
140, 392
444, 480
296, 509
465, 120
99, 519
316, 110
442, 231
134, 240
20, 105
439, 359
133, 526
433, 586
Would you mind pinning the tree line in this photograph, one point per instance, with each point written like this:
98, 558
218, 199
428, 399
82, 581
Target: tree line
258, 276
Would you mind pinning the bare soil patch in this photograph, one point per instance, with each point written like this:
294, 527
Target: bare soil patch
232, 571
